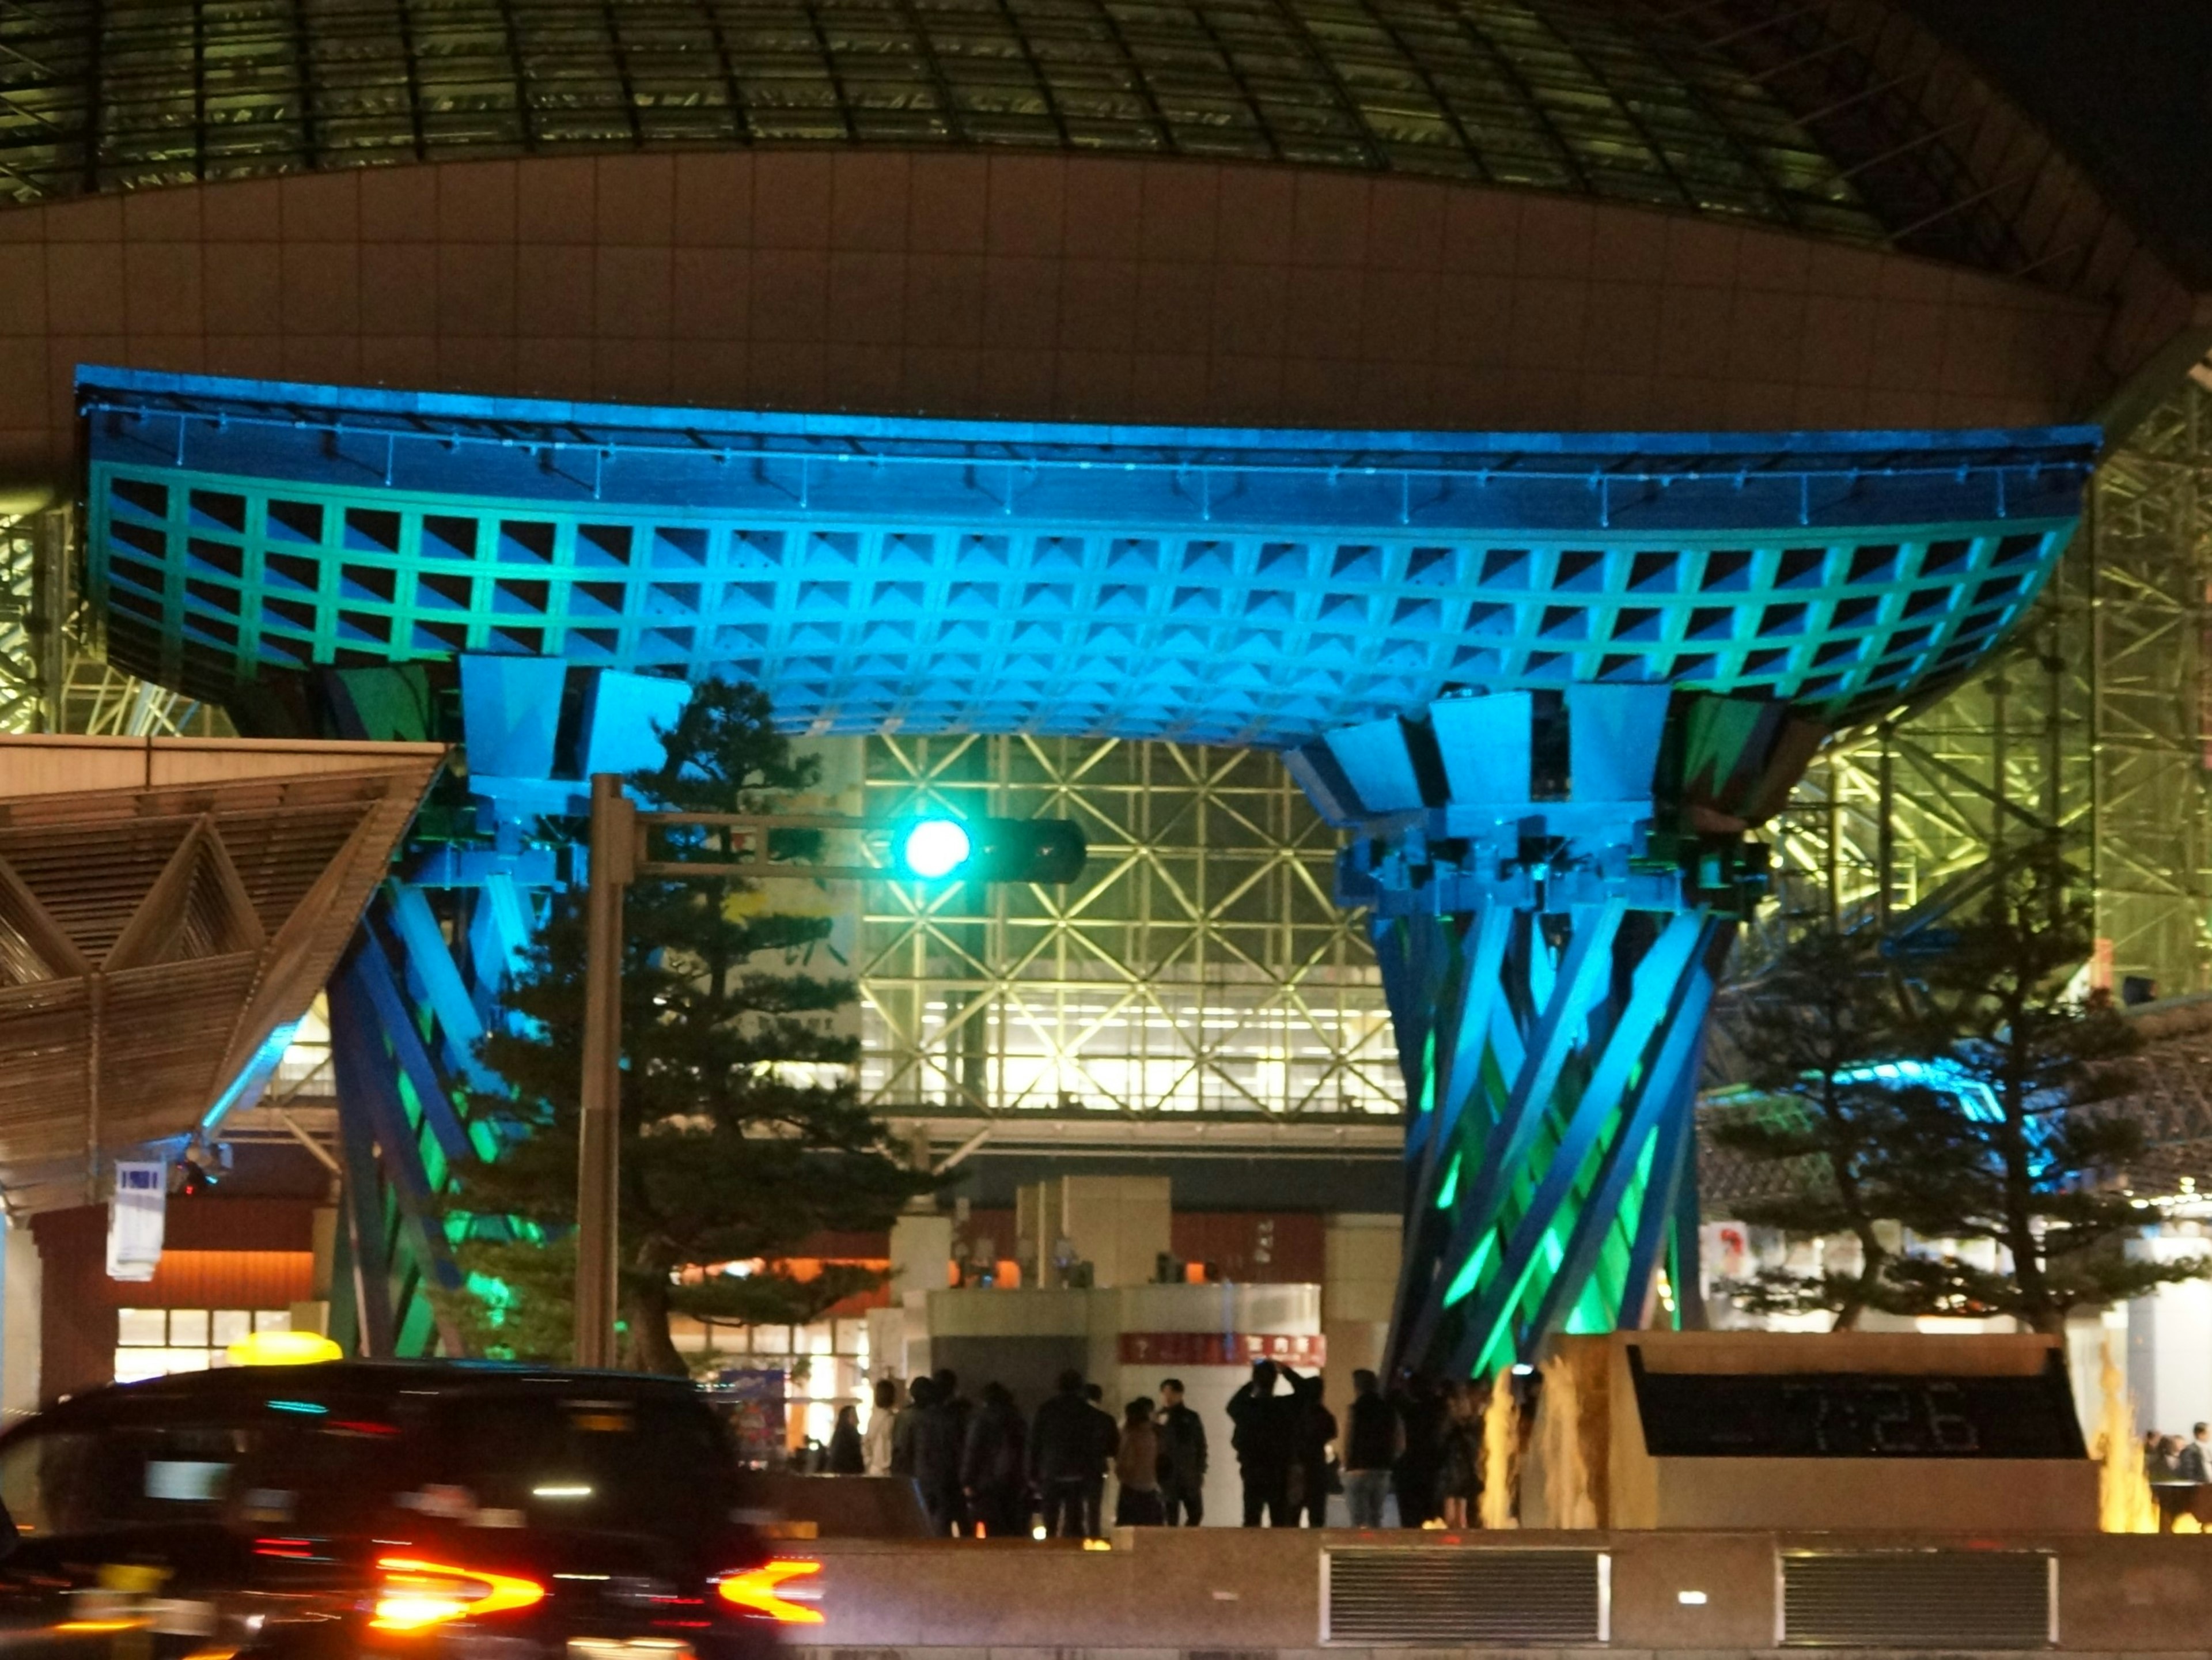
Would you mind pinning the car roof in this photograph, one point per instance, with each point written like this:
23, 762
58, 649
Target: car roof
226, 1384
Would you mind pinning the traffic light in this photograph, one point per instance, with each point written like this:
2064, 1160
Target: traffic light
942, 849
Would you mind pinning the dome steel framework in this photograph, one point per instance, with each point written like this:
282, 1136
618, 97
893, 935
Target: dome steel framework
1781, 116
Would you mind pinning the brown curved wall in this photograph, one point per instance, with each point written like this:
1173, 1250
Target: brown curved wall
1036, 286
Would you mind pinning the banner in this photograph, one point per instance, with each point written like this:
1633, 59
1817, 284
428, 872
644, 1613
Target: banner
134, 1216
1215, 1348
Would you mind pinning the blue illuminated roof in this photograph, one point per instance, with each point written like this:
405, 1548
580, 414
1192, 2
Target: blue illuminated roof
1233, 586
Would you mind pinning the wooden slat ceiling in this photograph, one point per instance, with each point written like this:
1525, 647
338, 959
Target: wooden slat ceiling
158, 926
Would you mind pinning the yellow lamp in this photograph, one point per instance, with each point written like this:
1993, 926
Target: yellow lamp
283, 1348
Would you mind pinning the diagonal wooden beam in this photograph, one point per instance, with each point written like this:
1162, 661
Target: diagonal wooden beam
295, 940
161, 912
40, 932
253, 936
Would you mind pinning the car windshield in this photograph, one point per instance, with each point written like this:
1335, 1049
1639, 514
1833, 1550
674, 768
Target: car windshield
320, 1463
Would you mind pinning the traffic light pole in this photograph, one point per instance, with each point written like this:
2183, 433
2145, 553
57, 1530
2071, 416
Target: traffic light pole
598, 1156
616, 829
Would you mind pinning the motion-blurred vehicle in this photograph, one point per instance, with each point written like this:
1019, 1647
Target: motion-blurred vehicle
419, 1510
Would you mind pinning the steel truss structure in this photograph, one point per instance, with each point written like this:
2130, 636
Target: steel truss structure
2092, 722
1202, 965
54, 672
1658, 104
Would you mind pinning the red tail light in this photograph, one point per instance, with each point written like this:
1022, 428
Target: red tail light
759, 1590
414, 1595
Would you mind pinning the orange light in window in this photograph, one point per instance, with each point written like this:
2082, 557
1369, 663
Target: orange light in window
418, 1594
759, 1590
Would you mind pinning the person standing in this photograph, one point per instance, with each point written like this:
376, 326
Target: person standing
1420, 1455
1263, 1444
1313, 1443
993, 1472
1062, 1444
2195, 1464
1105, 1442
845, 1457
939, 1438
1182, 1457
1460, 1480
876, 1444
919, 1394
962, 1410
1137, 1469
1370, 1447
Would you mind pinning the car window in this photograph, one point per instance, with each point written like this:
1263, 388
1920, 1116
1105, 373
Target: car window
80, 1481
632, 1465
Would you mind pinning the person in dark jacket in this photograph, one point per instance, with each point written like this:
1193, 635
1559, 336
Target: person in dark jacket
1370, 1447
963, 1411
1265, 1440
939, 1438
846, 1457
994, 1468
1105, 1443
1063, 1453
1182, 1457
919, 1394
1313, 1440
1414, 1477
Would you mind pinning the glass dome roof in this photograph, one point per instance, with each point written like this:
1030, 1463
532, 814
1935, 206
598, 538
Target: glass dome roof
1630, 100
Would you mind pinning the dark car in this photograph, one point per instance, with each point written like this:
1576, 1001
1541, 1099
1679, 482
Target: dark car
407, 1509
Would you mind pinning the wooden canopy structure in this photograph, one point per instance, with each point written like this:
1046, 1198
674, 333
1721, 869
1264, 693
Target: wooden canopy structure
166, 906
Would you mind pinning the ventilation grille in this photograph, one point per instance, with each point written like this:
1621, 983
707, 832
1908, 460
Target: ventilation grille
1464, 1597
1920, 1599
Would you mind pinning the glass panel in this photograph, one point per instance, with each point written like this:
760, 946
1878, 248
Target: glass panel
188, 1326
141, 1328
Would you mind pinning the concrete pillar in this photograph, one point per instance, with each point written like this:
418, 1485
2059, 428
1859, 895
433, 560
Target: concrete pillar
921, 1254
20, 1334
1359, 1282
1119, 1224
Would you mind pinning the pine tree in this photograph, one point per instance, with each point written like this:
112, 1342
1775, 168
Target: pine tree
742, 1130
1813, 1038
2015, 1152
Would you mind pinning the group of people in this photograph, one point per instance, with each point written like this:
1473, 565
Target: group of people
1421, 1443
982, 1468
2168, 1458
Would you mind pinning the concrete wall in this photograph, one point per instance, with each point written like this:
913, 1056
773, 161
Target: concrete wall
1030, 287
2169, 1340
1161, 1593
1358, 1288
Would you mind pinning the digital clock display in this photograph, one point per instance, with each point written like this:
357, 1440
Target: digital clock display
1856, 1414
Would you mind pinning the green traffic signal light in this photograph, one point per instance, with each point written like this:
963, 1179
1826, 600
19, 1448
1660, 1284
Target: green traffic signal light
934, 849
942, 849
